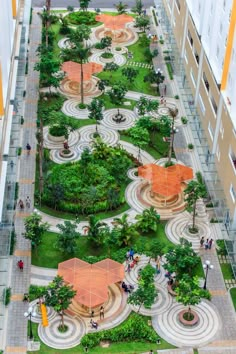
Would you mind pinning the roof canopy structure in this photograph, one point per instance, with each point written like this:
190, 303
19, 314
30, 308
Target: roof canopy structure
91, 280
166, 181
73, 70
114, 22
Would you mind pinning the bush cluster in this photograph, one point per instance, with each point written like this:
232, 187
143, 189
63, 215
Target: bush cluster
82, 17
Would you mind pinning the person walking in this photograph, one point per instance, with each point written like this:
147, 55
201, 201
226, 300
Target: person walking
101, 313
27, 202
21, 265
128, 269
207, 244
210, 243
131, 254
28, 148
202, 241
127, 256
21, 204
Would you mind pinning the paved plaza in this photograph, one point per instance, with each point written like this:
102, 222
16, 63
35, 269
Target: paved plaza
216, 329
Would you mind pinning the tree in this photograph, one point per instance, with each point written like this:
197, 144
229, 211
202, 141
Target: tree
47, 19
112, 67
95, 110
195, 189
156, 248
34, 229
117, 93
155, 77
96, 229
140, 138
57, 192
81, 33
127, 231
188, 292
105, 42
121, 7
148, 220
84, 4
79, 55
102, 85
47, 66
60, 120
173, 113
130, 73
59, 296
138, 8
66, 239
145, 105
181, 259
142, 22
146, 292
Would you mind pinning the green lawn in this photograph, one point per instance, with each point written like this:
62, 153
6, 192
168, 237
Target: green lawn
227, 271
108, 104
233, 296
138, 85
49, 257
138, 52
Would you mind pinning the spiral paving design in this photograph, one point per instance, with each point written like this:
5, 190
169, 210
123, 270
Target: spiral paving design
130, 118
168, 326
109, 137
71, 88
70, 108
132, 174
49, 144
123, 37
178, 227
53, 338
118, 59
38, 318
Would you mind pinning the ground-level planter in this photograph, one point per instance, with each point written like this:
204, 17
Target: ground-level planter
56, 139
187, 323
66, 154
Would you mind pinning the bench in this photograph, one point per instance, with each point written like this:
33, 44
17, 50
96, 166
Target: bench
171, 291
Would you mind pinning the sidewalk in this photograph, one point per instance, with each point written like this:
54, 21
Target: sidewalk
16, 341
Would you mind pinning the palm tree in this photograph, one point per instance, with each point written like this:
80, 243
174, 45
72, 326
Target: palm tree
173, 113
95, 229
148, 220
80, 55
121, 7
127, 231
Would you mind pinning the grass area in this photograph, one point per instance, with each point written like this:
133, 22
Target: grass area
227, 271
233, 296
199, 271
138, 52
108, 104
138, 85
48, 256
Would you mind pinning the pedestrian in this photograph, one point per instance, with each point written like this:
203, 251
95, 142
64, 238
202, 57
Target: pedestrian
202, 241
101, 312
207, 244
21, 265
12, 164
28, 148
210, 243
128, 269
165, 90
21, 204
158, 267
127, 256
94, 324
26, 298
151, 351
92, 313
27, 202
131, 254
162, 99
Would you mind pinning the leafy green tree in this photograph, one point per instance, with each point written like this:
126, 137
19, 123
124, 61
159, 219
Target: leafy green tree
188, 292
140, 138
34, 229
121, 7
117, 93
66, 239
80, 55
84, 4
113, 198
63, 123
173, 113
57, 193
155, 248
127, 231
96, 110
150, 54
138, 8
102, 85
81, 33
47, 66
59, 296
146, 292
181, 259
155, 77
47, 20
148, 220
96, 230
111, 67
106, 42
142, 22
195, 189
145, 105
86, 159
130, 73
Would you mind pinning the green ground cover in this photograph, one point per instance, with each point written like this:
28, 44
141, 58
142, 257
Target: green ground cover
138, 52
227, 271
48, 256
233, 296
108, 104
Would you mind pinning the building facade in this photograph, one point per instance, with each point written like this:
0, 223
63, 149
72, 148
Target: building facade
204, 36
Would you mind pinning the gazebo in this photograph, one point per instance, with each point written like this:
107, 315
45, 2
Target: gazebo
114, 26
91, 280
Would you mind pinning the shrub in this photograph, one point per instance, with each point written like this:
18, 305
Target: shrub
184, 120
177, 97
82, 17
57, 130
65, 30
190, 146
98, 45
221, 248
70, 8
7, 296
107, 55
19, 150
155, 18
36, 291
22, 120
161, 41
118, 49
170, 70
82, 105
13, 242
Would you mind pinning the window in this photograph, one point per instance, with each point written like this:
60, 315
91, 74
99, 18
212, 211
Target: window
217, 52
210, 130
205, 81
201, 104
209, 31
218, 152
212, 7
192, 77
221, 28
232, 158
224, 4
233, 193
190, 38
222, 130
199, 7
196, 56
177, 4
213, 103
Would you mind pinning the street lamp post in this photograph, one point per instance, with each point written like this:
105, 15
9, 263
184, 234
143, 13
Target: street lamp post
160, 79
29, 315
207, 265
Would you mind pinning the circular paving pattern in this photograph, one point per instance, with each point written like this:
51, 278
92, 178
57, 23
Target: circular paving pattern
64, 43
70, 108
50, 144
169, 327
118, 59
108, 121
38, 318
178, 227
72, 88
53, 338
133, 174
123, 37
109, 137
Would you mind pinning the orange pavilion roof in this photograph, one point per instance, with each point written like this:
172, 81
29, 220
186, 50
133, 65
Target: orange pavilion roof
114, 22
73, 70
166, 181
91, 280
